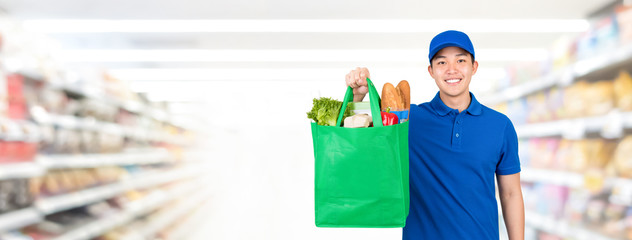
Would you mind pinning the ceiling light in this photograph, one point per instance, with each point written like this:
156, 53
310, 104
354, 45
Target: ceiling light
138, 76
307, 25
286, 55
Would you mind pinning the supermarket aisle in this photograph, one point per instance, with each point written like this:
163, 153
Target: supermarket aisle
137, 130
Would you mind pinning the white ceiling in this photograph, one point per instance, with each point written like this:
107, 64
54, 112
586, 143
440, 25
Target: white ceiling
230, 95
301, 9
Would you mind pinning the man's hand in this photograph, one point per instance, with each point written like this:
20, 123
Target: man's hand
356, 79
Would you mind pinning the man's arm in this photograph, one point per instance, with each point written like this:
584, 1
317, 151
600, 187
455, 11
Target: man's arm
512, 204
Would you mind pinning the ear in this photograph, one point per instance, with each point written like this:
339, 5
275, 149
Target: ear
474, 67
430, 71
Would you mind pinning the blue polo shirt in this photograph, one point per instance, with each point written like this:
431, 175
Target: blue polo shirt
453, 159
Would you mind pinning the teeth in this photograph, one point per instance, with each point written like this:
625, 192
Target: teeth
453, 80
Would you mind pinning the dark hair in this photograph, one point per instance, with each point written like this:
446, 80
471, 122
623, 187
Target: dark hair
472, 57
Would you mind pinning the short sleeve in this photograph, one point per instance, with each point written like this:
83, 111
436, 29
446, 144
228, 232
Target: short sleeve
509, 162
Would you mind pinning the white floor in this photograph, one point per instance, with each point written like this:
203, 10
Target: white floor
262, 182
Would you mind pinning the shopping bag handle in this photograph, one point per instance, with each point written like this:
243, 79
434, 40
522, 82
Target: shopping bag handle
374, 99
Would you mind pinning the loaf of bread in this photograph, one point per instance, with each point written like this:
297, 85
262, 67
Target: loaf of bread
391, 98
404, 92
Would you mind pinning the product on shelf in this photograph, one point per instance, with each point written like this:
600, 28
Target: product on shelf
623, 158
18, 143
598, 98
623, 91
14, 195
628, 219
542, 152
52, 100
600, 152
563, 155
574, 102
47, 139
517, 110
555, 103
16, 100
561, 53
58, 224
3, 94
624, 20
602, 37
576, 205
58, 182
577, 158
599, 157
613, 220
538, 110
66, 141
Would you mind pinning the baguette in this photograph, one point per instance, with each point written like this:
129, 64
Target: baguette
391, 98
404, 91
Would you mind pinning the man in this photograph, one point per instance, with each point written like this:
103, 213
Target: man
456, 147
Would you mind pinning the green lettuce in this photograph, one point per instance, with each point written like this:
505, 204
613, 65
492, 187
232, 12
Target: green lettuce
325, 111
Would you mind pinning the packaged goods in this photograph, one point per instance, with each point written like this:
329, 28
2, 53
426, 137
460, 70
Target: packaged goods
577, 158
623, 91
599, 98
574, 101
358, 121
623, 157
538, 110
543, 152
624, 20
359, 108
555, 103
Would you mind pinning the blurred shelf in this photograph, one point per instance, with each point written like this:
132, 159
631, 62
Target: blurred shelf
168, 217
97, 160
134, 210
560, 227
610, 125
561, 178
521, 90
21, 170
128, 105
89, 124
100, 226
19, 218
621, 187
63, 202
563, 77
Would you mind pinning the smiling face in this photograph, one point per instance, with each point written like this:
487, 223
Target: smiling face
452, 69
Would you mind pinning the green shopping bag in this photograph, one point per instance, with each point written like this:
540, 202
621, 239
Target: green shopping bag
361, 174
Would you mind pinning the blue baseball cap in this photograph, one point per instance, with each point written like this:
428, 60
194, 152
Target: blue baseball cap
450, 38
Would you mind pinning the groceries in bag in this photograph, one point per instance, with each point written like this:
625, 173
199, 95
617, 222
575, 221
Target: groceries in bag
361, 174
394, 104
325, 111
397, 99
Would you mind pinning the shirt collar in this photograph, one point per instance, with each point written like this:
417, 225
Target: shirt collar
440, 108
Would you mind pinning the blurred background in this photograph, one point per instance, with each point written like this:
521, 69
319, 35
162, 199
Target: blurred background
187, 119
